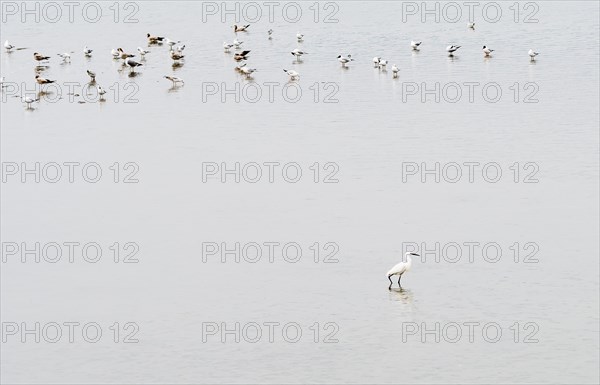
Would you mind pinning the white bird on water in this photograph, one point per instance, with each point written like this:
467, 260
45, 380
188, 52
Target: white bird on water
533, 54
87, 52
382, 64
142, 52
240, 28
132, 64
101, 92
293, 74
171, 43
298, 53
247, 71
239, 67
395, 71
400, 269
487, 51
176, 56
227, 47
270, 33
452, 48
65, 56
471, 25
27, 100
415, 45
376, 61
299, 36
115, 53
345, 59
237, 43
8, 46
174, 80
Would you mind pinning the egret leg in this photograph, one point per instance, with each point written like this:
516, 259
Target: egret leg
390, 278
399, 277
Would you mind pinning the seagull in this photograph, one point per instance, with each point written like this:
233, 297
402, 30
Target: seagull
115, 53
344, 60
241, 56
142, 52
241, 28
124, 55
171, 43
247, 71
101, 92
227, 47
39, 57
400, 269
132, 64
154, 39
415, 45
174, 80
65, 56
487, 51
176, 56
87, 52
533, 54
92, 76
299, 36
395, 71
8, 46
471, 25
27, 100
237, 43
293, 74
180, 48
270, 33
382, 64
41, 80
452, 48
239, 67
376, 61
298, 53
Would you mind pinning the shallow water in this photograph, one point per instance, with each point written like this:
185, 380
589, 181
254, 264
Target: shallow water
365, 130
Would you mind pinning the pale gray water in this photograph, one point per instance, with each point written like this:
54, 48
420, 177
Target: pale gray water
369, 133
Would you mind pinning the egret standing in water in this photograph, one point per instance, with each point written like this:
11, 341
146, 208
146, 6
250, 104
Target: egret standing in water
400, 269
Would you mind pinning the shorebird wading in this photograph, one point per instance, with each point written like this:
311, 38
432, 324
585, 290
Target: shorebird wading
400, 269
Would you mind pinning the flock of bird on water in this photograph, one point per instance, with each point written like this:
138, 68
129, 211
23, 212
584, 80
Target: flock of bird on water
176, 51
241, 56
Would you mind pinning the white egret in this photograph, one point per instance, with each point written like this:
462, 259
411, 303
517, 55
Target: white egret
401, 268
